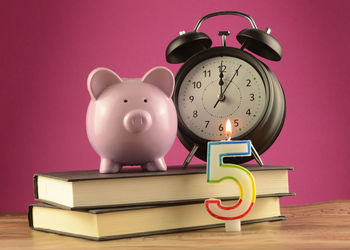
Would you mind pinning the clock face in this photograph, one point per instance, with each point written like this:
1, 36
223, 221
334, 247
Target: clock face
218, 89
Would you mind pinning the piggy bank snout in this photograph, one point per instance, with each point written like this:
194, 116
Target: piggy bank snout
137, 121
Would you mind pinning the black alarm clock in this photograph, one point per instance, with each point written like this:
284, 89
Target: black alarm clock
216, 84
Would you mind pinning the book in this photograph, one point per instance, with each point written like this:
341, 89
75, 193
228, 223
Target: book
82, 190
115, 223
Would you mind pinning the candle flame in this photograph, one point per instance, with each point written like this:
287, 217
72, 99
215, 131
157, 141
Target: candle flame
228, 131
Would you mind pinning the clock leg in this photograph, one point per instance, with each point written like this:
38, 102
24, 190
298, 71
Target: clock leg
256, 156
108, 166
156, 165
190, 155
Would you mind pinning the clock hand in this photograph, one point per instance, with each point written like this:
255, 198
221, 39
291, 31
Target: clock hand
236, 73
221, 83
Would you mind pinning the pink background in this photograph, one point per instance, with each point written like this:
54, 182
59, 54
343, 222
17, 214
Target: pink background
48, 49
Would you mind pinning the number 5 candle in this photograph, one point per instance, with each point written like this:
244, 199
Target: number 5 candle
218, 171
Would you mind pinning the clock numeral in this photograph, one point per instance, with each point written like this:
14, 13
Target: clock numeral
248, 112
207, 73
195, 114
252, 97
222, 68
206, 123
191, 98
248, 84
197, 85
221, 127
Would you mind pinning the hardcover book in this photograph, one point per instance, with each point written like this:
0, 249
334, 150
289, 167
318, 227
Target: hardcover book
115, 223
82, 190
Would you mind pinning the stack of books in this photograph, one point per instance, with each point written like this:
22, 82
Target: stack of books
97, 206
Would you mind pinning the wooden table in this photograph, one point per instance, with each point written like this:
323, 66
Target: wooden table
316, 226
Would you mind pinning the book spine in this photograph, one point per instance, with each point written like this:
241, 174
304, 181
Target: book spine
30, 216
35, 183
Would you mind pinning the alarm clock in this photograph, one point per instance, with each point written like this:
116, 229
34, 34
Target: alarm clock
216, 84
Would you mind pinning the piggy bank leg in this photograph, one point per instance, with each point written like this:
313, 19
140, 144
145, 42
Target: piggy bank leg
108, 166
156, 165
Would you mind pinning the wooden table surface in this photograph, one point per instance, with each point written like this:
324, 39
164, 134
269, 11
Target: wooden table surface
315, 226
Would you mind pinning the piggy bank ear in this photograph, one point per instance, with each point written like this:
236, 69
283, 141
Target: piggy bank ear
162, 78
99, 79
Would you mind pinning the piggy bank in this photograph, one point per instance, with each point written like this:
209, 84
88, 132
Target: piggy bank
131, 121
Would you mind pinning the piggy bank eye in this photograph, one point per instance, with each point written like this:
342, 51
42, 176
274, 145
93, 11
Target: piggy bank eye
145, 100
125, 100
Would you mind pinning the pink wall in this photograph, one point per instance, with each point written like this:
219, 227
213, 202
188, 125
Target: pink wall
49, 47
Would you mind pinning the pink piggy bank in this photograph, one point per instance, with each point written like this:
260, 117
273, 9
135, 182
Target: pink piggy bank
131, 121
